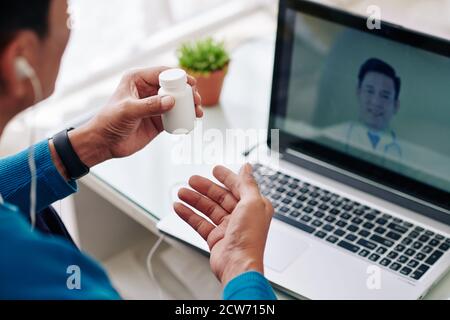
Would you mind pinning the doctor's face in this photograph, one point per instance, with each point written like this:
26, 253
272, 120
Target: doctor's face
377, 101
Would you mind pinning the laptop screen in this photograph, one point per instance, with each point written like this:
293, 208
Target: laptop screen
371, 102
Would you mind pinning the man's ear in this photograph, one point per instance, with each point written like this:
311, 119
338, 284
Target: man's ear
24, 44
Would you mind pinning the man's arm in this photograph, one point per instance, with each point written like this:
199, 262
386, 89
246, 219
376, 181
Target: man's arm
16, 179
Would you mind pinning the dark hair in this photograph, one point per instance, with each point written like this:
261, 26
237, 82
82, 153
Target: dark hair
379, 66
17, 15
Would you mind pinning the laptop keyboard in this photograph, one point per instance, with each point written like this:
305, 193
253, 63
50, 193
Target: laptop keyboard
379, 237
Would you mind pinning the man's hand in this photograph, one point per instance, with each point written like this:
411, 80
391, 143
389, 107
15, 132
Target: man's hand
130, 120
241, 218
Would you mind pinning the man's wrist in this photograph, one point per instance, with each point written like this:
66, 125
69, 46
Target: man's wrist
88, 145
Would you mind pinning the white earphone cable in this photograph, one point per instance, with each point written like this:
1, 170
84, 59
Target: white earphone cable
37, 88
150, 267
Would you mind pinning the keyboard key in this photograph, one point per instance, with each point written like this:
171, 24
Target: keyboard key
295, 223
313, 203
433, 242
402, 259
444, 247
319, 214
328, 228
408, 224
341, 223
367, 244
287, 201
386, 216
380, 230
413, 234
424, 238
358, 212
381, 240
368, 225
294, 214
418, 229
417, 245
332, 239
407, 241
324, 207
374, 257
351, 237
330, 219
297, 205
335, 211
339, 232
381, 221
357, 221
399, 248
416, 275
397, 220
317, 223
439, 237
395, 266
405, 271
397, 228
308, 210
410, 252
429, 233
392, 255
320, 234
427, 249
364, 233
434, 257
370, 217
381, 250
352, 228
284, 209
393, 235
348, 246
364, 253
413, 263
385, 262
420, 256
306, 218
346, 216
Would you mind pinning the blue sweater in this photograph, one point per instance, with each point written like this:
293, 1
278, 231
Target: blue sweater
35, 266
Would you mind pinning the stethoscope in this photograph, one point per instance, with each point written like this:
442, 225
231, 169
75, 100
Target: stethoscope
394, 145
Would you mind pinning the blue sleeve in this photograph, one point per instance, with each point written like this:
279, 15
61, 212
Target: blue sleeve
16, 179
249, 286
37, 267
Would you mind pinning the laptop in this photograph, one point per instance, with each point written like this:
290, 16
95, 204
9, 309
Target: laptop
362, 188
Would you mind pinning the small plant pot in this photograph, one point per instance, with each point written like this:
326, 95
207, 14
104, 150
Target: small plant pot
210, 86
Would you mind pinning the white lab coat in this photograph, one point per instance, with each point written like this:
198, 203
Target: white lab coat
387, 148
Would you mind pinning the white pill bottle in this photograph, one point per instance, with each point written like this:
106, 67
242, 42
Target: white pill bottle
181, 119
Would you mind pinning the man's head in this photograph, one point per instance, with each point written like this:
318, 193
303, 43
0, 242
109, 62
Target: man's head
36, 31
378, 94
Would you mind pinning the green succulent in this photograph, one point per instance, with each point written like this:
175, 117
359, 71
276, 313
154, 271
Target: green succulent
204, 56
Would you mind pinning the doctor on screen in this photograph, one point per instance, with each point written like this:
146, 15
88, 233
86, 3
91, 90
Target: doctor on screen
378, 98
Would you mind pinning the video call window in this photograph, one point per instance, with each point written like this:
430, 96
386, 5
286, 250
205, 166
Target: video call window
371, 98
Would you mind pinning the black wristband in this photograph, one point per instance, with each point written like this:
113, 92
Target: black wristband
76, 169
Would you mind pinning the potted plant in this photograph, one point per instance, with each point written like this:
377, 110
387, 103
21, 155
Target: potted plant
207, 60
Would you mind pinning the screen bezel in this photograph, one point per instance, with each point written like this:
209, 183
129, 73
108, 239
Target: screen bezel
404, 191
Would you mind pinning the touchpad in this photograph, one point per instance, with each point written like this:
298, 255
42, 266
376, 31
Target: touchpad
282, 250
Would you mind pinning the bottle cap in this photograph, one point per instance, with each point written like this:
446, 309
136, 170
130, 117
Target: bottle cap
173, 78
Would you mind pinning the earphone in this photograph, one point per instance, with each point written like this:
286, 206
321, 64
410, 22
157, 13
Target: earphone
25, 71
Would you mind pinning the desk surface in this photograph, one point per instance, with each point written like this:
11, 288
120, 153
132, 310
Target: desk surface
149, 180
